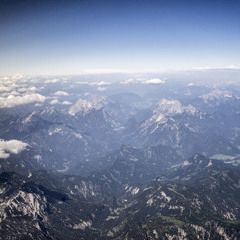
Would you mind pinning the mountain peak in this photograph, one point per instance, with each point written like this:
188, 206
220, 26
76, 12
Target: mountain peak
172, 107
85, 106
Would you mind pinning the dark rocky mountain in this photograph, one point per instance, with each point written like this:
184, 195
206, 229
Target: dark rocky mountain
199, 198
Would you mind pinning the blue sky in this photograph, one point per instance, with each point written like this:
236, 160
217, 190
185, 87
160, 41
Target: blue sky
68, 37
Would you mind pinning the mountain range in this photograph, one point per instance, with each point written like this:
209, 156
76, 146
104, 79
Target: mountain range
130, 159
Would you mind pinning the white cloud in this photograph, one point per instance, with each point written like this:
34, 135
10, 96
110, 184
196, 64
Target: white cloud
54, 101
55, 80
66, 103
32, 89
7, 86
151, 81
13, 101
130, 81
154, 81
11, 147
4, 89
14, 93
17, 76
101, 83
191, 84
61, 93
101, 89
16, 86
228, 67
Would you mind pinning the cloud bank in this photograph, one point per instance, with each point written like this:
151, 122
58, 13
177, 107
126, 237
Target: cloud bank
13, 101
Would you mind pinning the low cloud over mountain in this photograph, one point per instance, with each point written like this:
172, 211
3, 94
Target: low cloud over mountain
11, 147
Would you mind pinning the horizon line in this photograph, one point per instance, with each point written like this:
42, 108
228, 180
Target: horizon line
103, 71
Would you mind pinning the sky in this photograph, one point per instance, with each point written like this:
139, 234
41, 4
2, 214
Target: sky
71, 37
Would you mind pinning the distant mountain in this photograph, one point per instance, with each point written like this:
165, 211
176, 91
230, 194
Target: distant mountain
84, 136
185, 129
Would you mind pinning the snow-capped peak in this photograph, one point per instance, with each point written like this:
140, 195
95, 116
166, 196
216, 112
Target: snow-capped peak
173, 107
85, 106
216, 94
165, 110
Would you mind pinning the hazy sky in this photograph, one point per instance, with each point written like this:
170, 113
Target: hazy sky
67, 37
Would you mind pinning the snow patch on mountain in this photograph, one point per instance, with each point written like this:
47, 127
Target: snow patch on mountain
56, 130
186, 163
83, 225
165, 197
216, 94
165, 110
23, 204
28, 119
173, 107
